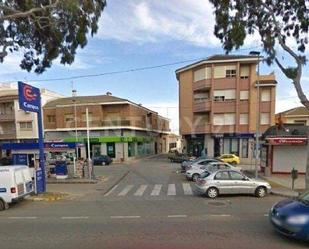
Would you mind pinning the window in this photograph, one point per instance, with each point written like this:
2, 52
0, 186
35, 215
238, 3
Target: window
265, 117
69, 118
221, 95
236, 176
243, 118
25, 126
202, 74
304, 122
223, 175
244, 95
84, 118
219, 72
224, 119
51, 119
199, 97
226, 145
201, 119
244, 72
244, 148
234, 146
230, 73
265, 95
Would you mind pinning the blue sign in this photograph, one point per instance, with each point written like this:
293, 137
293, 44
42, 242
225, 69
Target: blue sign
2, 190
20, 159
29, 97
39, 181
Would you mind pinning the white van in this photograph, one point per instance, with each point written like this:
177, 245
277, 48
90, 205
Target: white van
15, 183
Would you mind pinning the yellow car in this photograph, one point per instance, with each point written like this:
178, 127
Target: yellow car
230, 158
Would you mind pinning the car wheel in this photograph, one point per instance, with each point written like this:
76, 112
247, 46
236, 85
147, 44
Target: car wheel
260, 192
212, 193
103, 163
195, 177
3, 205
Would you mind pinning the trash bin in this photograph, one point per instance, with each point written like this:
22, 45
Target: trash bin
61, 170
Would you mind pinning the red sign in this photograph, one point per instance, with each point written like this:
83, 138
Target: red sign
287, 141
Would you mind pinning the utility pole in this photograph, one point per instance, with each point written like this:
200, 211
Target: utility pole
88, 145
257, 132
74, 94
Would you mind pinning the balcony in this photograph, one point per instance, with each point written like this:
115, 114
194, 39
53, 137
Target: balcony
201, 84
202, 106
226, 106
7, 117
200, 129
8, 135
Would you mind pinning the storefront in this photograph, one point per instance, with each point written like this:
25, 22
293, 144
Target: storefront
280, 154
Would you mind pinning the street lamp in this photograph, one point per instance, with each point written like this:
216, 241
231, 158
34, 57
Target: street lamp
257, 131
74, 93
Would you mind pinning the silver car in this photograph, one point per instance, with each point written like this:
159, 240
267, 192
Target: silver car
230, 182
199, 163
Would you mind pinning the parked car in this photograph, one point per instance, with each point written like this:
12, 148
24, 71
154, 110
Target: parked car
15, 183
230, 158
290, 217
231, 182
179, 158
5, 161
195, 172
188, 163
200, 162
102, 160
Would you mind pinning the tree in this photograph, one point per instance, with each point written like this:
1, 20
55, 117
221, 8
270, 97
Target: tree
278, 22
43, 30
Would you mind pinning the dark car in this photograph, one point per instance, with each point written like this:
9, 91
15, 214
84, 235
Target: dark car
102, 160
291, 217
178, 158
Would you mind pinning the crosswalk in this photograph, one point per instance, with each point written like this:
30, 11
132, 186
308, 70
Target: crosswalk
151, 190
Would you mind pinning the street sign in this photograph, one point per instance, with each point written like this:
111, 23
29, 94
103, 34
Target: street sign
39, 181
29, 98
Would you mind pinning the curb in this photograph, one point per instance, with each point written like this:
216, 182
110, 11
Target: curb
284, 194
71, 182
119, 180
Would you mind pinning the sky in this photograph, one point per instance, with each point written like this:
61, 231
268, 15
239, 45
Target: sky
142, 33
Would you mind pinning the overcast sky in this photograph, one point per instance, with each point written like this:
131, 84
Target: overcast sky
142, 33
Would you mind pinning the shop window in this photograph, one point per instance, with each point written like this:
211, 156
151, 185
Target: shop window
235, 146
226, 144
244, 148
131, 149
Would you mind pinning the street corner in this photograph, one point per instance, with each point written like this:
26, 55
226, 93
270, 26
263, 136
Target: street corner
48, 197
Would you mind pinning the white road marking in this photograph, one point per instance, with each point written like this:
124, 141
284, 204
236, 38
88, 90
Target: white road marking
125, 217
74, 217
219, 215
266, 215
177, 216
187, 189
125, 190
111, 190
140, 191
156, 190
25, 218
171, 189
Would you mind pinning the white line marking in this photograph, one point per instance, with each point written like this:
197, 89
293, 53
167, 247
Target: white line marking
156, 190
219, 215
187, 189
266, 215
140, 191
125, 217
171, 189
111, 190
74, 217
177, 216
125, 190
26, 218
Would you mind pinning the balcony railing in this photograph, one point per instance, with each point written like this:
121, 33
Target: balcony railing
202, 106
7, 117
202, 84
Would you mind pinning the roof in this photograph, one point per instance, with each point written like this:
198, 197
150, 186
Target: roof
288, 130
301, 110
220, 58
84, 100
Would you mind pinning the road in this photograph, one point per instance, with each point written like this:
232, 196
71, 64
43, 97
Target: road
152, 207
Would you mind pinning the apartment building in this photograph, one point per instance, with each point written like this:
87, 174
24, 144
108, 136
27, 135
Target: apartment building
219, 106
118, 127
17, 125
297, 115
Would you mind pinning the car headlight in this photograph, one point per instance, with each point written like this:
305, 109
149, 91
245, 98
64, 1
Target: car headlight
298, 219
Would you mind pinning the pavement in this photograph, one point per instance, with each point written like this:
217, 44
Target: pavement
147, 204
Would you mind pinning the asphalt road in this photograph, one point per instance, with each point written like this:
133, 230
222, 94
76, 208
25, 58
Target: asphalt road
152, 207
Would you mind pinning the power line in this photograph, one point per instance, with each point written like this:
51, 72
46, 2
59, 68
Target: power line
121, 71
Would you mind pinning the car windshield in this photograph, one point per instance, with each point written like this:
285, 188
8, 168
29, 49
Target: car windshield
204, 174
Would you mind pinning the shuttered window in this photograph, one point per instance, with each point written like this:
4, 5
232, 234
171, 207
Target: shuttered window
265, 118
219, 72
243, 118
265, 95
202, 74
244, 72
221, 95
224, 119
244, 95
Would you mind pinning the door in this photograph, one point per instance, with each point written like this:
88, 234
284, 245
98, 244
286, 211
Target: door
223, 182
111, 150
217, 147
240, 185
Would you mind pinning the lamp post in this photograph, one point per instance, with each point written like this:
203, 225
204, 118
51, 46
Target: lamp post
74, 93
257, 131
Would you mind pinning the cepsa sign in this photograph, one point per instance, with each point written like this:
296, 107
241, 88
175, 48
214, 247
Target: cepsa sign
29, 97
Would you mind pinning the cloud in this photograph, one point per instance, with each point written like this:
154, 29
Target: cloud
168, 110
154, 21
